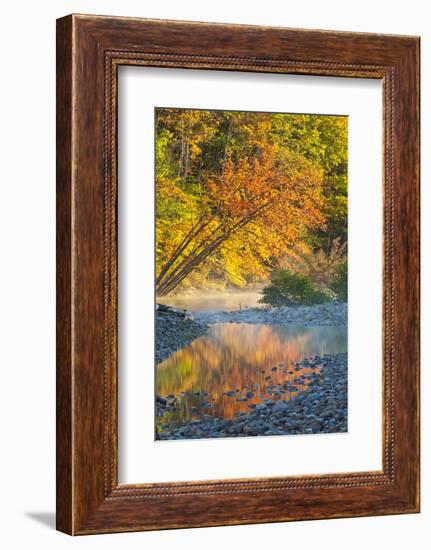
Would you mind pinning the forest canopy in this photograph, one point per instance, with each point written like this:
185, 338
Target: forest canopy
239, 193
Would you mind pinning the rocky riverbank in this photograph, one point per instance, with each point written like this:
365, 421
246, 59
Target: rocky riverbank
330, 314
174, 332
321, 408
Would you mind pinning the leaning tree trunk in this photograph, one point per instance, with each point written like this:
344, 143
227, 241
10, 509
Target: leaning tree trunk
169, 278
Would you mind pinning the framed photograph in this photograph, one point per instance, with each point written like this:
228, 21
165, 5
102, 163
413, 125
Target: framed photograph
237, 274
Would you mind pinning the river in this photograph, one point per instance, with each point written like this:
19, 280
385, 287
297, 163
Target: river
215, 373
216, 301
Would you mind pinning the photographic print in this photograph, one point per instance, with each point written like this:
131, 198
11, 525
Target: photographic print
251, 273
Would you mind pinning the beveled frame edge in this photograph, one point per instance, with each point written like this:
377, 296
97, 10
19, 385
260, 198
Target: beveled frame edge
89, 499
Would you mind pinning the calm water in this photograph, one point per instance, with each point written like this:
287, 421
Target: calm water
217, 301
242, 358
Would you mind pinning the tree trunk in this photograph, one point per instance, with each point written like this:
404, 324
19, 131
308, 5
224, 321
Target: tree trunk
173, 276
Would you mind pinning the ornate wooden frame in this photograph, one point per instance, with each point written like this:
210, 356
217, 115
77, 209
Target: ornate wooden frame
89, 51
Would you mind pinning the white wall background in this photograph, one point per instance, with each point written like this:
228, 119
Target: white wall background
27, 245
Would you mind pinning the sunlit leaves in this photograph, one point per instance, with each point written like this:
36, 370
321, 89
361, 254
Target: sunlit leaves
235, 191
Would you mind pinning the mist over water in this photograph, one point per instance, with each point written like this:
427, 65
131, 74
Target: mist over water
214, 301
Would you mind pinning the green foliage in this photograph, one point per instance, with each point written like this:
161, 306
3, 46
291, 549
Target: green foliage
323, 140
339, 283
291, 289
246, 187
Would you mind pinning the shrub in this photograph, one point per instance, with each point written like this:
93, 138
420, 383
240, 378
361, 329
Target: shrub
291, 289
339, 283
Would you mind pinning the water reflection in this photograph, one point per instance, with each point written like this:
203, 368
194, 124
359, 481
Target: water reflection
235, 366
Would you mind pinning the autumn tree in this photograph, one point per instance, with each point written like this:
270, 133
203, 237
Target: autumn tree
234, 191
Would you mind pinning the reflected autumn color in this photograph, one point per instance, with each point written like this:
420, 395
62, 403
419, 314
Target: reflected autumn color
235, 366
